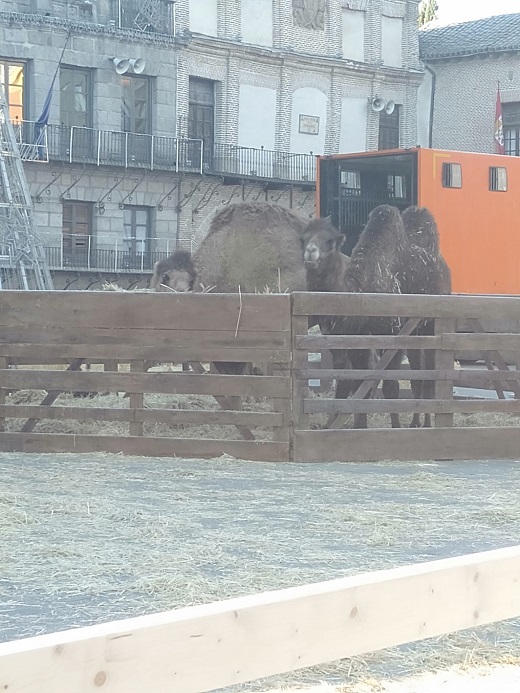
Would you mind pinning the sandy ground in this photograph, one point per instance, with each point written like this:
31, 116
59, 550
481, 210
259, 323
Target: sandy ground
92, 538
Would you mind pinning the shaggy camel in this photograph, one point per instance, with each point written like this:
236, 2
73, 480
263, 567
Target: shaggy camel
175, 272
426, 273
252, 247
373, 267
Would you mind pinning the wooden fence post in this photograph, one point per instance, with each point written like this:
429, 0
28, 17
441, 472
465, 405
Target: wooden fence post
4, 365
444, 361
300, 362
136, 400
283, 406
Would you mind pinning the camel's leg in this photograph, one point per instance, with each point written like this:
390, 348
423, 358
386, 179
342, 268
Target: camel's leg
391, 387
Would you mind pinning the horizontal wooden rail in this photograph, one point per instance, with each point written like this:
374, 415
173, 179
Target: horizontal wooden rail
145, 446
358, 445
197, 417
460, 341
203, 648
467, 375
166, 383
412, 406
404, 305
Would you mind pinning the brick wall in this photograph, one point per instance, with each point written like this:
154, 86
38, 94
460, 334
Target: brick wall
465, 99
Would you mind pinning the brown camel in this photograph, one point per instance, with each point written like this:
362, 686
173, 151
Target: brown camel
426, 273
373, 267
175, 273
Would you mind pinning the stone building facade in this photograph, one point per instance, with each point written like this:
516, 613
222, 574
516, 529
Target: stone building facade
465, 63
162, 112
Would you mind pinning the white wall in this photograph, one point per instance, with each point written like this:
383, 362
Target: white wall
203, 17
424, 94
256, 117
392, 39
353, 46
257, 22
311, 102
353, 136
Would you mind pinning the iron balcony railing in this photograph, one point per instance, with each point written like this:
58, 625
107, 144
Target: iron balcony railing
128, 149
246, 162
155, 16
157, 152
93, 253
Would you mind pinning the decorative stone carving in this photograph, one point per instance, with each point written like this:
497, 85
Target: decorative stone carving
309, 14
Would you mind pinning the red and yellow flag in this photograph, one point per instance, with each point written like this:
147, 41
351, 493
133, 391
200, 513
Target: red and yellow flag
499, 127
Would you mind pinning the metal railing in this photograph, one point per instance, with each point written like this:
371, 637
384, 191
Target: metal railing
92, 253
154, 16
247, 162
73, 144
32, 141
130, 150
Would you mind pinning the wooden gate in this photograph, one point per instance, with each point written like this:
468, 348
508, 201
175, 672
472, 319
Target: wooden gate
328, 441
200, 413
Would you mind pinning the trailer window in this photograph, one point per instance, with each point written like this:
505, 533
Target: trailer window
498, 178
351, 180
451, 175
396, 186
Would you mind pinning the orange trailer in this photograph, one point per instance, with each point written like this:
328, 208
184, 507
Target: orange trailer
475, 199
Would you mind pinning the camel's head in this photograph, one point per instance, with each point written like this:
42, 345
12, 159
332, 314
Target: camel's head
176, 273
320, 241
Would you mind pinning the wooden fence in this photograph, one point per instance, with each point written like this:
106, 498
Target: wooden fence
203, 648
276, 417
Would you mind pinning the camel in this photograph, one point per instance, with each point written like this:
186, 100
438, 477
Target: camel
426, 273
175, 272
381, 251
251, 246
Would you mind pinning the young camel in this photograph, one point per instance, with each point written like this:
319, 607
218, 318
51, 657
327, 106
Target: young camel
373, 267
426, 273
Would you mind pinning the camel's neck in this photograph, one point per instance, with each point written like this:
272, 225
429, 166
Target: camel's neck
331, 275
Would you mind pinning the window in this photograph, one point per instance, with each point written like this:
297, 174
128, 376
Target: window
137, 237
498, 178
77, 233
75, 97
451, 175
201, 123
350, 183
13, 80
511, 122
389, 129
135, 105
396, 186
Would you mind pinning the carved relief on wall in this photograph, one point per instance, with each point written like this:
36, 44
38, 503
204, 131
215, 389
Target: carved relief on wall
309, 14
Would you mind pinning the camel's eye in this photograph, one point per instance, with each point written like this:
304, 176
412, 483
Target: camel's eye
330, 243
165, 278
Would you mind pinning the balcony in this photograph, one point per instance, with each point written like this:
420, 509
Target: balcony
105, 254
75, 145
153, 16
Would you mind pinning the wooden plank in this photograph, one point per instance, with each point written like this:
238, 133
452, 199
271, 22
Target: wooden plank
86, 309
167, 383
485, 341
148, 415
283, 406
494, 356
38, 353
267, 451
453, 306
354, 445
319, 342
412, 406
136, 400
202, 648
300, 389
467, 375
155, 339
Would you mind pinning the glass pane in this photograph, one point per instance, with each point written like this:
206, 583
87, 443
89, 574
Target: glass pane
16, 75
82, 213
141, 216
141, 89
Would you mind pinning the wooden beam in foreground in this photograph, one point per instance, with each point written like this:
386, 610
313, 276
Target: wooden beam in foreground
202, 648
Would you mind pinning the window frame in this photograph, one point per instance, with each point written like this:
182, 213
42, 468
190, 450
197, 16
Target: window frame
495, 182
11, 62
72, 247
389, 130
134, 80
133, 239
447, 177
89, 110
511, 125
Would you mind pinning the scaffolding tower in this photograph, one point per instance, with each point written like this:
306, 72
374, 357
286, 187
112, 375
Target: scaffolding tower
23, 264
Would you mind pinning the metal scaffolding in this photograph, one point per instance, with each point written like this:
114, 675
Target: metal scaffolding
23, 264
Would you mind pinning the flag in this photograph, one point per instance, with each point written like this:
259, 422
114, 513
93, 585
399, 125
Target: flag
499, 127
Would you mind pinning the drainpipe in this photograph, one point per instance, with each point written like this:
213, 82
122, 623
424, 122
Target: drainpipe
432, 105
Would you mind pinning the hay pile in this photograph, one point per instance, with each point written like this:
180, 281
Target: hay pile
93, 538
